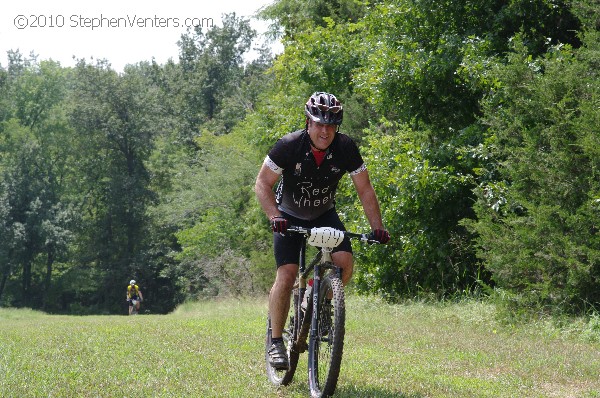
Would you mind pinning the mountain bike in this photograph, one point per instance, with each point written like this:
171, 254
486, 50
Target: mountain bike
322, 317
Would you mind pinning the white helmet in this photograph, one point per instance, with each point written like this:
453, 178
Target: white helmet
132, 282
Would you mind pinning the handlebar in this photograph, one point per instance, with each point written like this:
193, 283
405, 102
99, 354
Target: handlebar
325, 234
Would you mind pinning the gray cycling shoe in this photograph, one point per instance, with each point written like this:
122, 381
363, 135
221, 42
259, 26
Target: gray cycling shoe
278, 356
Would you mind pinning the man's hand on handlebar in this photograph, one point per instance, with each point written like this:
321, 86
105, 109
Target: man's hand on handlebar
380, 235
279, 224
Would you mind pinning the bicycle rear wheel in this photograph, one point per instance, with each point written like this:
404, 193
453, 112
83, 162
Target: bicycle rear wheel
290, 331
327, 344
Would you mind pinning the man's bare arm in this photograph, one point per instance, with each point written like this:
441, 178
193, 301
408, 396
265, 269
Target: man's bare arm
368, 199
265, 181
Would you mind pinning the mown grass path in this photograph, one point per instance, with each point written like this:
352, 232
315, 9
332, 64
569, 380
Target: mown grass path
215, 349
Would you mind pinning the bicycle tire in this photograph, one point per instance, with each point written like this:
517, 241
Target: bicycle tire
290, 332
326, 345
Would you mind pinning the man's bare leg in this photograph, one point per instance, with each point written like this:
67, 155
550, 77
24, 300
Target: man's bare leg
345, 261
279, 298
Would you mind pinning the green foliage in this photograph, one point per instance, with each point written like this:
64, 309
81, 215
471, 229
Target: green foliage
538, 226
416, 50
277, 115
485, 112
115, 118
209, 206
421, 205
293, 17
331, 50
37, 218
211, 63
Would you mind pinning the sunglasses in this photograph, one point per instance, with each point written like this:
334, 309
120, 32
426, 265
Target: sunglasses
332, 109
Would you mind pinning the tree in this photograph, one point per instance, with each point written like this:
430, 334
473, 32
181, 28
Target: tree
416, 50
35, 162
420, 203
115, 118
538, 220
293, 17
212, 65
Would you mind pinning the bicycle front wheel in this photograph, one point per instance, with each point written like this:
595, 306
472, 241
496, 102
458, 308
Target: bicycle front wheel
327, 338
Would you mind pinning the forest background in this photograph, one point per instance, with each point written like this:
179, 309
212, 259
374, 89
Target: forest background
479, 122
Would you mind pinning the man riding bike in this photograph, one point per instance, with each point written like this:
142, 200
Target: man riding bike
134, 293
308, 164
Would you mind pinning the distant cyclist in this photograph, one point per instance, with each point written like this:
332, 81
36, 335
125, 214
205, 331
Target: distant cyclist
134, 293
308, 164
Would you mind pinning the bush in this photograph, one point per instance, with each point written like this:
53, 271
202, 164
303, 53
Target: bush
421, 205
538, 224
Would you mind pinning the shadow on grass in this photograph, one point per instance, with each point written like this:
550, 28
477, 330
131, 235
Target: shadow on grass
371, 392
299, 388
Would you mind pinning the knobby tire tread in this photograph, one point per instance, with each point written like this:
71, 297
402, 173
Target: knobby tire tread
325, 385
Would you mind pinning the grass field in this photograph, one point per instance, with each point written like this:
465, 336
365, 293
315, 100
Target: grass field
215, 349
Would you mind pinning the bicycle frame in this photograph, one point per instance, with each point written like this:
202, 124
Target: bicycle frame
322, 258
317, 267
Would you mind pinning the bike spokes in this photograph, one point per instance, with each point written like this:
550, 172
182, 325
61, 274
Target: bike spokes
326, 345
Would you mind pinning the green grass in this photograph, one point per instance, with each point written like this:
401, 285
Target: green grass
215, 349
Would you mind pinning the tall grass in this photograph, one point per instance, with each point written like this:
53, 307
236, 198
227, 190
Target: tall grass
215, 349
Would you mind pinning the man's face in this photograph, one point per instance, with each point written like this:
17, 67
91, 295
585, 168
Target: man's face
320, 134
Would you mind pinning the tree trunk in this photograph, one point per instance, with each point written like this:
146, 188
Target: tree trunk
2, 284
48, 279
26, 283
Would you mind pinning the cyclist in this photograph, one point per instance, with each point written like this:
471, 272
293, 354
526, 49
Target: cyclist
308, 164
134, 293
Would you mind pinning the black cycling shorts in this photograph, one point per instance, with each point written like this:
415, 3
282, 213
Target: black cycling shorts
287, 247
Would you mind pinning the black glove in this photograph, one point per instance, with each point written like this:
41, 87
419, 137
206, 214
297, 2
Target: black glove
380, 235
279, 224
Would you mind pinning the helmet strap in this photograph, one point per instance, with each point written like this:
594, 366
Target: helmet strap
315, 148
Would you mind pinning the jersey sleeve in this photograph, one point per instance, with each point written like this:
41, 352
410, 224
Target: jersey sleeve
272, 165
278, 157
355, 163
360, 169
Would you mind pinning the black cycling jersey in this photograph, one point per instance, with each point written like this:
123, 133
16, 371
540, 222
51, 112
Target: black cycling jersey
306, 190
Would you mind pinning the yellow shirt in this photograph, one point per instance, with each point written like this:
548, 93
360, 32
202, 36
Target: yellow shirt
130, 288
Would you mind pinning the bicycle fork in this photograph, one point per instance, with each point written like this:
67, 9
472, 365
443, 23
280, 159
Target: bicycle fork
320, 273
309, 321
